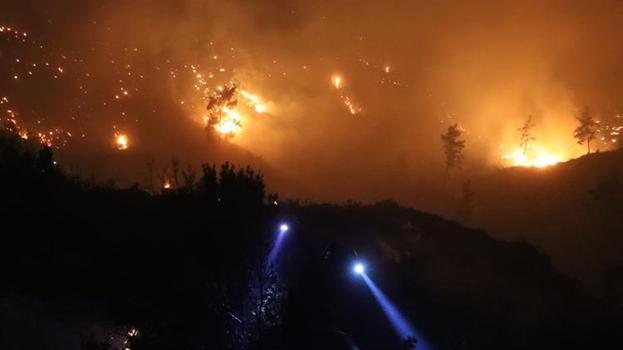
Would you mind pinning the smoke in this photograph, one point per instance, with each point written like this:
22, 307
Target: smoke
486, 65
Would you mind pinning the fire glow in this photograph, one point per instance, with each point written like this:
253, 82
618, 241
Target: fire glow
254, 101
338, 84
224, 112
122, 142
534, 157
230, 123
337, 81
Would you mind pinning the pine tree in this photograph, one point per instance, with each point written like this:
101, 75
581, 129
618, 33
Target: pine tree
587, 129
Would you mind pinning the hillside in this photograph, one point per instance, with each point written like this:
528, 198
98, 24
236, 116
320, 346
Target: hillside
96, 267
132, 167
572, 211
462, 288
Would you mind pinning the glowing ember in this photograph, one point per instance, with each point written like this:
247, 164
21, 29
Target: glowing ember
122, 142
346, 100
166, 185
55, 137
337, 81
351, 107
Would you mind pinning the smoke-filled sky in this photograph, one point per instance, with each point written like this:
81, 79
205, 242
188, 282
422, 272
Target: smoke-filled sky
90, 70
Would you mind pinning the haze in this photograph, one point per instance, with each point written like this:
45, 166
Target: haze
412, 68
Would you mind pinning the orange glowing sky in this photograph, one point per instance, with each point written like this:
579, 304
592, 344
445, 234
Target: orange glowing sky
339, 99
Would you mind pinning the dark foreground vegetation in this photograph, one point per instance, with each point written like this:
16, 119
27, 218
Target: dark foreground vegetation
91, 267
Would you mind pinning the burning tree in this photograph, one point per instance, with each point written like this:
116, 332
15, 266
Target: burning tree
221, 116
453, 147
526, 135
587, 129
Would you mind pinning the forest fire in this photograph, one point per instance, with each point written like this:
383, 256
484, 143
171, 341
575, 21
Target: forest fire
338, 84
532, 153
337, 81
122, 142
534, 158
223, 112
240, 175
254, 101
229, 86
230, 123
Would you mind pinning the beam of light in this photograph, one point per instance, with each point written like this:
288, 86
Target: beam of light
401, 325
283, 232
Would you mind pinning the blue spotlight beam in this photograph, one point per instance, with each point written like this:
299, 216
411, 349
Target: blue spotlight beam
400, 324
272, 256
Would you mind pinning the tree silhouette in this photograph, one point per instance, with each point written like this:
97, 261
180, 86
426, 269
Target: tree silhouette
164, 179
232, 187
45, 160
526, 135
585, 133
189, 269
190, 177
453, 147
209, 182
175, 171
